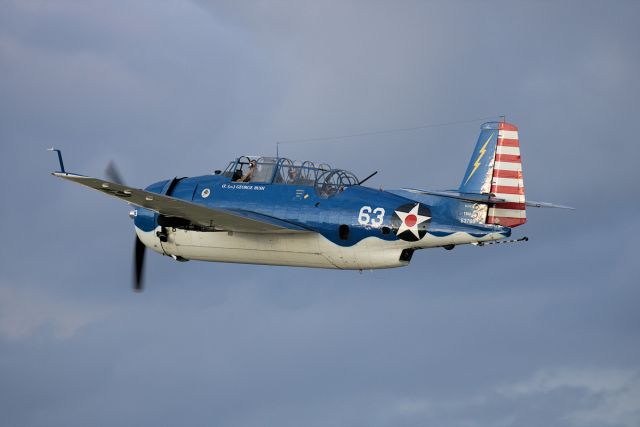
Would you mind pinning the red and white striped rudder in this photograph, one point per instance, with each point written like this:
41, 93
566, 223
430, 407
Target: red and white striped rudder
506, 182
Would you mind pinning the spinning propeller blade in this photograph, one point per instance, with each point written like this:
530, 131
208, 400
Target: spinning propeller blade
113, 175
138, 266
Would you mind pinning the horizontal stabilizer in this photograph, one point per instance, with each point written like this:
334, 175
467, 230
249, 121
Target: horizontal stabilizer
482, 198
546, 205
467, 197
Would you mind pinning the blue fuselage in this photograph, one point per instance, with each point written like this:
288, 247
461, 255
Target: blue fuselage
364, 211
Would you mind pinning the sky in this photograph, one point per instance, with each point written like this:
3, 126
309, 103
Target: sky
539, 333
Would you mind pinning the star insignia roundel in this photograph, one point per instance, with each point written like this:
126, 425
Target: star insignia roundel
410, 221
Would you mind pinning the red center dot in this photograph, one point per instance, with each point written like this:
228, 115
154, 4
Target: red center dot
411, 220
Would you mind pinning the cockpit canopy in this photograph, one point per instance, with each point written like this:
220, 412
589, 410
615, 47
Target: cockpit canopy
279, 170
334, 181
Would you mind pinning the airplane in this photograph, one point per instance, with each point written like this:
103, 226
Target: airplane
275, 211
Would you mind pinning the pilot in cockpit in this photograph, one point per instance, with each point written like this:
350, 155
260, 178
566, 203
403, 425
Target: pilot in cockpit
292, 175
252, 168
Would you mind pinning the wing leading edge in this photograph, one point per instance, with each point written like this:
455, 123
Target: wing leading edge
222, 219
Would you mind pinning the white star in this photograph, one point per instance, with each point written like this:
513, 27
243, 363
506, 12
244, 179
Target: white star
411, 220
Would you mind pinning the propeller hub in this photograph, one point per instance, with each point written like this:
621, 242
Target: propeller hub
133, 214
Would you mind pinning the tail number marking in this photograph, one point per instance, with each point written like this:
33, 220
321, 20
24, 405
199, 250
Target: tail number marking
371, 217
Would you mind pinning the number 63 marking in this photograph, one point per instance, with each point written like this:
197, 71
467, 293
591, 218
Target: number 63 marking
365, 216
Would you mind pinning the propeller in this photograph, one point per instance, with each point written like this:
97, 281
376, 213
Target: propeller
139, 263
113, 175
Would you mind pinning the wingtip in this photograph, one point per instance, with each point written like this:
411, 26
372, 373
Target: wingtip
68, 175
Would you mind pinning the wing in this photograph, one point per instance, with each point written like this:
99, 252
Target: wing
222, 219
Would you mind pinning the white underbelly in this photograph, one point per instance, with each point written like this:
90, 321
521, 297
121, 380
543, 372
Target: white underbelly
295, 249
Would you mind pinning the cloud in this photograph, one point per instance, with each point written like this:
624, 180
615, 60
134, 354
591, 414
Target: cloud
573, 397
26, 312
608, 397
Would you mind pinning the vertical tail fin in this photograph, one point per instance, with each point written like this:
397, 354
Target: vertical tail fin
496, 168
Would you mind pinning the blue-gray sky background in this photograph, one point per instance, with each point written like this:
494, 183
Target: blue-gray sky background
542, 333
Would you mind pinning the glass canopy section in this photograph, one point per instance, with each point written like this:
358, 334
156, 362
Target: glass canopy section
279, 170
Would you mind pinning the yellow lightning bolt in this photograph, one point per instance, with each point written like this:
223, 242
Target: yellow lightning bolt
476, 164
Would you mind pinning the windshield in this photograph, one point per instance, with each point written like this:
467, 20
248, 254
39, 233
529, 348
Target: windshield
251, 169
